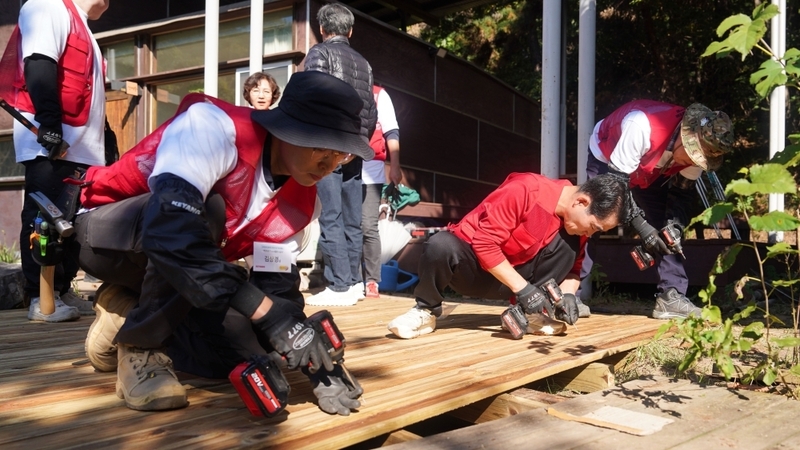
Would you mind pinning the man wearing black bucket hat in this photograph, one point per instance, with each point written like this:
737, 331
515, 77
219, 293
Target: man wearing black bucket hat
661, 150
214, 183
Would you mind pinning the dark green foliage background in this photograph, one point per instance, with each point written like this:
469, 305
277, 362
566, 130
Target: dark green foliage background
645, 49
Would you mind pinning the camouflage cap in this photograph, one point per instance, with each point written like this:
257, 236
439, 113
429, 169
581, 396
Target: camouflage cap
706, 135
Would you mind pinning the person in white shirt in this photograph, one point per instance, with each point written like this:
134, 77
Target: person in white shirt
58, 85
661, 150
386, 144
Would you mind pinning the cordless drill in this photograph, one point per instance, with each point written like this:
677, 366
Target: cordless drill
671, 235
260, 381
514, 319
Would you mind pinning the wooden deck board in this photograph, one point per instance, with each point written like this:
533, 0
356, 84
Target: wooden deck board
51, 398
703, 417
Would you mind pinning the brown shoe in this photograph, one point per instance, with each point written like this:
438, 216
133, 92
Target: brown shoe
112, 306
146, 380
540, 324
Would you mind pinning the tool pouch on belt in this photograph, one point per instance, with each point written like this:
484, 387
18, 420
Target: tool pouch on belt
261, 385
49, 254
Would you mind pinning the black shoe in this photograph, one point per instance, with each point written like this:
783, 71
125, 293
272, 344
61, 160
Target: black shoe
674, 305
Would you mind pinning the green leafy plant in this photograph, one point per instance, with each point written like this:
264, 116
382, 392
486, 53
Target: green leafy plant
712, 336
8, 254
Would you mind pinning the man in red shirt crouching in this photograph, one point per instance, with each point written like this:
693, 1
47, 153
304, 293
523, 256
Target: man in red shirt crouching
530, 229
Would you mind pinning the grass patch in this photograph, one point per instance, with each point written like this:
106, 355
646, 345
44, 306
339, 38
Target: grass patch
660, 356
9, 255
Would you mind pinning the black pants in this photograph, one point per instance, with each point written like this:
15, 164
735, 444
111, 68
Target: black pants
448, 261
202, 342
45, 176
653, 201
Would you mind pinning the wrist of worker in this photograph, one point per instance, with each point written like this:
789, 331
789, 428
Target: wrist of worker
274, 318
249, 301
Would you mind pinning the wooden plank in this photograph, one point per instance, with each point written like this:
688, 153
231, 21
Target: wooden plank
50, 396
497, 407
704, 417
592, 377
399, 436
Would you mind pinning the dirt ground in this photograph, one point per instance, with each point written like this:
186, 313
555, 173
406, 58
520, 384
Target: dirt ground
662, 357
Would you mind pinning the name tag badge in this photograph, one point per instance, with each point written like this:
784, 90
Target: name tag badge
269, 257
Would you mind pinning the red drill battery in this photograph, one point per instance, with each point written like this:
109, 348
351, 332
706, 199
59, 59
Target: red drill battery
322, 322
514, 321
553, 289
261, 385
642, 259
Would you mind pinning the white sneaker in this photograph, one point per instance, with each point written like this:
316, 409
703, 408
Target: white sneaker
330, 297
358, 290
415, 322
84, 307
63, 313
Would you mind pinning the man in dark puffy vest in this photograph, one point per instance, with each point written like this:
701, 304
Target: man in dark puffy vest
340, 222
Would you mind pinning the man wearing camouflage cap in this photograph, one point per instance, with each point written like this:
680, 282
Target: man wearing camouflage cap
661, 149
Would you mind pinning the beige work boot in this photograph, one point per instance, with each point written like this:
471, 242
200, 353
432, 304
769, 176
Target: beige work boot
146, 380
112, 306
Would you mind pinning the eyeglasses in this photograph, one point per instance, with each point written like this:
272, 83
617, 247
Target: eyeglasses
337, 156
259, 91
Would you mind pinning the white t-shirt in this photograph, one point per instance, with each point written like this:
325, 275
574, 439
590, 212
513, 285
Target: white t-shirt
200, 147
44, 27
633, 144
374, 172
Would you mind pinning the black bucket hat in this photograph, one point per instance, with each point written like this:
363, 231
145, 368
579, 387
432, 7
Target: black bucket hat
318, 110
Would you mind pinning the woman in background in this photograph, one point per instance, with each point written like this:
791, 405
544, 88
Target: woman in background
261, 91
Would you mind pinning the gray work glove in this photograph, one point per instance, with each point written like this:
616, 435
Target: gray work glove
295, 340
650, 238
567, 309
534, 300
336, 394
52, 140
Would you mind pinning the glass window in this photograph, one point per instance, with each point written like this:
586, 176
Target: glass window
280, 71
178, 50
185, 48
277, 32
169, 96
121, 60
8, 159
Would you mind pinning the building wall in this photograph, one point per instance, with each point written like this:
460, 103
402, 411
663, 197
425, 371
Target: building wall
462, 130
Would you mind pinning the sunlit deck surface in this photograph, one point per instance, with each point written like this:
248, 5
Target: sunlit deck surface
50, 397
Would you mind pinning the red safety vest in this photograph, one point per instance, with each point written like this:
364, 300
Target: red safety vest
289, 211
664, 119
378, 143
75, 72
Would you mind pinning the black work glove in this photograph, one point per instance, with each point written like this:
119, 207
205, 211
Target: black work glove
652, 242
534, 300
567, 309
336, 393
52, 140
293, 339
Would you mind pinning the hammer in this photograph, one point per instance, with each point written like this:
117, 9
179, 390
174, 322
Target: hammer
55, 218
